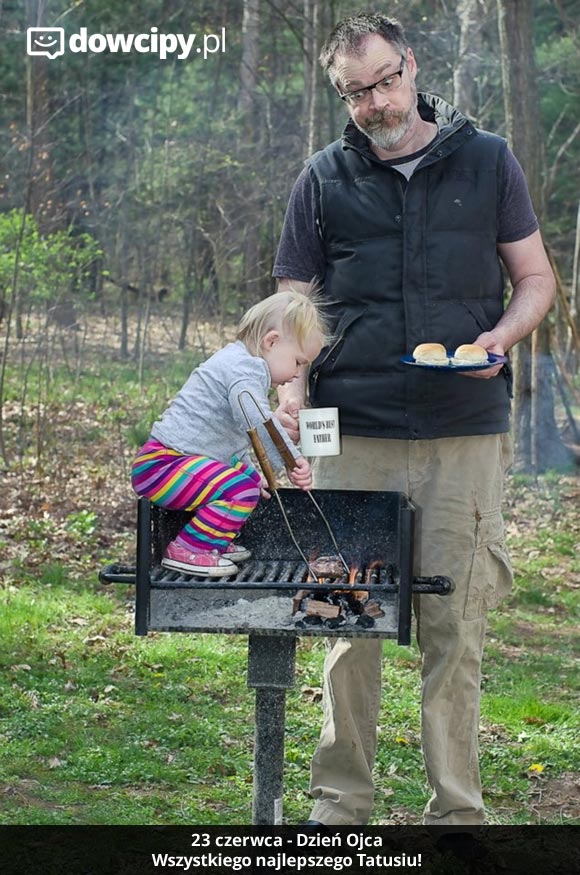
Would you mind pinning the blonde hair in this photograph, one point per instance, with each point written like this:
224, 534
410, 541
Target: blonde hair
288, 312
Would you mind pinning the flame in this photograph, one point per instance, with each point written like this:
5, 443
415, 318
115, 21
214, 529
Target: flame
355, 577
372, 572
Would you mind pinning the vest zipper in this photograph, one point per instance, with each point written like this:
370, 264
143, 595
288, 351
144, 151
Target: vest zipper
314, 377
339, 339
403, 192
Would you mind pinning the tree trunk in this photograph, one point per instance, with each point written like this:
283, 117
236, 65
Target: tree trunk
548, 451
186, 301
249, 148
311, 89
536, 435
45, 200
571, 351
471, 14
250, 56
40, 166
38, 112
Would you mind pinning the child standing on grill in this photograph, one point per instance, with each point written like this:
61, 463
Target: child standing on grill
196, 458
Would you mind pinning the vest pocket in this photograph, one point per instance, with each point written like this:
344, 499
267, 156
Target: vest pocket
491, 574
327, 358
480, 317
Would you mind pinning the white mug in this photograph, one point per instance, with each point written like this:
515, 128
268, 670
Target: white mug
319, 431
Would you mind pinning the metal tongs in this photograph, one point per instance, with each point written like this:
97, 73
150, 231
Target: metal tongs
290, 463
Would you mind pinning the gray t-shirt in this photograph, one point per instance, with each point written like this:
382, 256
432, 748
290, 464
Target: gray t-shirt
300, 253
206, 419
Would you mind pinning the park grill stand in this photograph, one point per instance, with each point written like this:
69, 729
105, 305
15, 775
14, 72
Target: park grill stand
375, 531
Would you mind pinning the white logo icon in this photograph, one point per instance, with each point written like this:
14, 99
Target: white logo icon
47, 41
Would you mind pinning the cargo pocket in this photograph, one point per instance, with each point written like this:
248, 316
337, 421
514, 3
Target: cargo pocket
490, 578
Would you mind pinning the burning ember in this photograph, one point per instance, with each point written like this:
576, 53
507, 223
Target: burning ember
337, 607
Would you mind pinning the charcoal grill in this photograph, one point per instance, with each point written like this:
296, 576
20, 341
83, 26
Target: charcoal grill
375, 532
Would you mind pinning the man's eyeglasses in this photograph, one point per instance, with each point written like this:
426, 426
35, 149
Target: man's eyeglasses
384, 86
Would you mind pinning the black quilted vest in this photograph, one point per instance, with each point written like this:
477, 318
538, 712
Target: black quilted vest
408, 263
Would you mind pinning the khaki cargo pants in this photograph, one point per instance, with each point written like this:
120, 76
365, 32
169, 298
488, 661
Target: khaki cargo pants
456, 485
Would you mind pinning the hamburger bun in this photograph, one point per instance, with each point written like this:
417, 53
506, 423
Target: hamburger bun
470, 354
431, 354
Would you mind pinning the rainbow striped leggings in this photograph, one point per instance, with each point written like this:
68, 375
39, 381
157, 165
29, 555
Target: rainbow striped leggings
222, 497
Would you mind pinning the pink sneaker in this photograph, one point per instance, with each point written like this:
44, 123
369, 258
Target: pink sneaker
236, 552
207, 563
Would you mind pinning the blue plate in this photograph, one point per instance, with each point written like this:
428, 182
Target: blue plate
492, 360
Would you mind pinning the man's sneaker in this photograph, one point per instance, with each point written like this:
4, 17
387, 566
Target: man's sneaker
208, 563
236, 552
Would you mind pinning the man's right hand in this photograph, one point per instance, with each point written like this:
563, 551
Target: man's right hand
287, 415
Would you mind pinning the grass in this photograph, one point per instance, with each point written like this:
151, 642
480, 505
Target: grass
100, 727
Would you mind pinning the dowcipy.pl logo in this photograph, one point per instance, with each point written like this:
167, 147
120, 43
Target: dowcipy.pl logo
47, 41
51, 42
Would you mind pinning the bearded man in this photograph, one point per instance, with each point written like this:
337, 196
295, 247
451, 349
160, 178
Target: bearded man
406, 220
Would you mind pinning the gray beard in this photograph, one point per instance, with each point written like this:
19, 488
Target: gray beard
389, 138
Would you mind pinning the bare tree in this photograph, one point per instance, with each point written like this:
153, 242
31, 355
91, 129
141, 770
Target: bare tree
38, 118
472, 15
250, 55
537, 442
575, 298
249, 148
310, 94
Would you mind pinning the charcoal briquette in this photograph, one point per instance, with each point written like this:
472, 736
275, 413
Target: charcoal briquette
365, 621
311, 620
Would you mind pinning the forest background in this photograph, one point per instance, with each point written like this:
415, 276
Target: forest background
141, 202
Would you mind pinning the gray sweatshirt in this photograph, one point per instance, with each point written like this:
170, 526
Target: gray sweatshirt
205, 417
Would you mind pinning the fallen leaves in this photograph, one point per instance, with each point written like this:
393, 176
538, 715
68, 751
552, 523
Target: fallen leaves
557, 797
534, 721
312, 694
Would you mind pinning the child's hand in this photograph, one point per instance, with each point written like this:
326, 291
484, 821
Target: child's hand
301, 474
264, 487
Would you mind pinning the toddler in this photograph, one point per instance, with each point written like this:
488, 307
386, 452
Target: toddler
196, 458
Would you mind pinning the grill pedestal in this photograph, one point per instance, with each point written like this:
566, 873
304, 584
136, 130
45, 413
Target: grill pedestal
271, 663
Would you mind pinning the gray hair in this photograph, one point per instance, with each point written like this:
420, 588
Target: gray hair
347, 36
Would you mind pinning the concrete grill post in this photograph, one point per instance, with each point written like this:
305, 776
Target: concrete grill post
271, 671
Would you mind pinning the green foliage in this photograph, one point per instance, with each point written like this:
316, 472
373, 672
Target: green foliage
558, 61
48, 266
153, 159
82, 523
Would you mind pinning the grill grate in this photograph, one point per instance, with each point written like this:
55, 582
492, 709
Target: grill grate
275, 574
